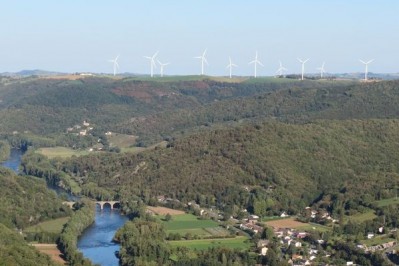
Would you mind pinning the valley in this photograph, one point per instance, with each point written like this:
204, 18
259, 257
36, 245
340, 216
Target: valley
227, 157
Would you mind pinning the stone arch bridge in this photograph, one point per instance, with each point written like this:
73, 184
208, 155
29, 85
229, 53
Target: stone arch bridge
112, 203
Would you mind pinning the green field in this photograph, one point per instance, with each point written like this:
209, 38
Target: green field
315, 227
378, 240
188, 223
359, 218
52, 226
387, 202
201, 244
61, 152
121, 140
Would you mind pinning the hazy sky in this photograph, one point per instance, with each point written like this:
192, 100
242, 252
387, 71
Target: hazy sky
82, 35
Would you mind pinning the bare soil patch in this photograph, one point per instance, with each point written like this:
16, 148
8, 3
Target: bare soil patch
285, 223
52, 251
164, 210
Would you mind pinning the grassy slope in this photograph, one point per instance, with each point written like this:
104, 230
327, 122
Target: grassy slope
52, 226
201, 244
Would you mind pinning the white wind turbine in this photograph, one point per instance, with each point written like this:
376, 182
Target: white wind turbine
256, 62
162, 65
230, 66
322, 70
152, 62
203, 60
115, 63
281, 69
367, 67
303, 62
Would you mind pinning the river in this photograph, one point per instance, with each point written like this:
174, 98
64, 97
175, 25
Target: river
96, 241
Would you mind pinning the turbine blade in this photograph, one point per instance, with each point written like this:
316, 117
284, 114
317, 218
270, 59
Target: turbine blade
370, 61
260, 63
155, 55
362, 61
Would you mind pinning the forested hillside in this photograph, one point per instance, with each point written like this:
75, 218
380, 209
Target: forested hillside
152, 110
26, 201
344, 164
15, 251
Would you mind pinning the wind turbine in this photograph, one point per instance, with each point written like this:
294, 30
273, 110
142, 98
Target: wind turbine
322, 70
152, 62
115, 62
255, 62
303, 65
367, 67
281, 69
203, 60
162, 65
231, 65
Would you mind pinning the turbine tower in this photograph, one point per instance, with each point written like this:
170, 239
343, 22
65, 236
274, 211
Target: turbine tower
367, 67
303, 62
152, 62
162, 65
256, 62
322, 70
281, 69
230, 66
203, 60
115, 63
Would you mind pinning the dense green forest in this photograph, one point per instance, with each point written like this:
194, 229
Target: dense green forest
346, 165
14, 251
48, 107
26, 201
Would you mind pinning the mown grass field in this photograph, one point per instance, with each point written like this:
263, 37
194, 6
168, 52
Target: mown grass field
378, 240
61, 152
315, 227
201, 244
188, 223
122, 141
52, 226
361, 217
387, 202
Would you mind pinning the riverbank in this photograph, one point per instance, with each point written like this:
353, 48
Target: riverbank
5, 151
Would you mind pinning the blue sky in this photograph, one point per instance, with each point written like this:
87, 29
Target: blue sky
78, 36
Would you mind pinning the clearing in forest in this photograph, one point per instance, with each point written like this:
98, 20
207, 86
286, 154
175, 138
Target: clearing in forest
285, 223
52, 251
164, 211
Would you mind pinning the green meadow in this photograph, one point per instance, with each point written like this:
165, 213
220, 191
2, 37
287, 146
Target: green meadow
201, 244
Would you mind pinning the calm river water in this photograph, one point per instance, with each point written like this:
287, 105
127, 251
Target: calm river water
96, 241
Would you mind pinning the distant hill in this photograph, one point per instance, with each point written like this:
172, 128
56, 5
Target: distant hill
48, 106
340, 165
34, 72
